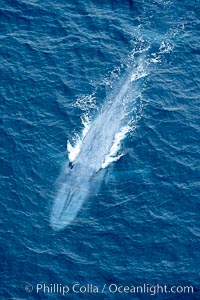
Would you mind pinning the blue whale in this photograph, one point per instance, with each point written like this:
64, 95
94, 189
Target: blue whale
95, 147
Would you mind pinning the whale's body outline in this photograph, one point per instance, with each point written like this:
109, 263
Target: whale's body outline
94, 149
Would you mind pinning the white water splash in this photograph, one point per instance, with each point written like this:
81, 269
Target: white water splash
113, 155
86, 102
74, 150
140, 73
166, 47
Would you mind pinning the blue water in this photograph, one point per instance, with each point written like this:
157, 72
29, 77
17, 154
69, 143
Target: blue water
60, 61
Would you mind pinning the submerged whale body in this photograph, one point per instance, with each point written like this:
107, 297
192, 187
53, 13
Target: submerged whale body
70, 196
95, 147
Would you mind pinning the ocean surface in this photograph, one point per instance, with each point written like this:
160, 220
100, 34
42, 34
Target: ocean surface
62, 63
